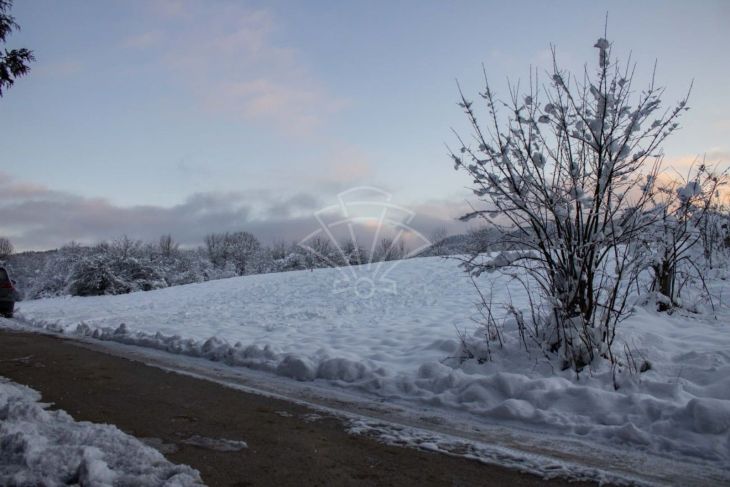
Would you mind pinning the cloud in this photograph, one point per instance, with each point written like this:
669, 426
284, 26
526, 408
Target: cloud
38, 217
188, 167
300, 205
722, 124
169, 8
61, 69
347, 164
714, 156
143, 41
543, 59
291, 108
227, 56
718, 155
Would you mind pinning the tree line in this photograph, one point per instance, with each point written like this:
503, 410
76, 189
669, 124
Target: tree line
125, 265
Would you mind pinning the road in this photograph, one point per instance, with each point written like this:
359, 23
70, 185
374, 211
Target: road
288, 444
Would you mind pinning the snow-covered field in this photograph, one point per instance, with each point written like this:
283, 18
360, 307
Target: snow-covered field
400, 345
42, 447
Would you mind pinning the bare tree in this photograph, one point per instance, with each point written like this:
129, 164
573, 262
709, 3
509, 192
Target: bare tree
321, 252
123, 248
6, 248
390, 249
568, 179
352, 252
438, 237
216, 246
243, 248
237, 249
168, 246
280, 249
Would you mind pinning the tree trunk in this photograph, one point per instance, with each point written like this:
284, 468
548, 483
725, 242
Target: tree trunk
665, 283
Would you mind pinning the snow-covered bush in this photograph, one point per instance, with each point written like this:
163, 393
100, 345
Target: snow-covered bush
119, 267
93, 276
185, 267
715, 233
53, 277
293, 261
568, 175
683, 236
319, 252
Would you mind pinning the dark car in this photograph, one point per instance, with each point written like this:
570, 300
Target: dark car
8, 294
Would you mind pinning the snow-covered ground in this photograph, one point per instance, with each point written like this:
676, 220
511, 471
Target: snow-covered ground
397, 345
42, 447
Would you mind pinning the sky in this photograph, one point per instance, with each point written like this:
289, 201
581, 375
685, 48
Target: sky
186, 117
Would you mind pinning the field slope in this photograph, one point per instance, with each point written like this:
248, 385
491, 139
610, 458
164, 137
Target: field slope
398, 344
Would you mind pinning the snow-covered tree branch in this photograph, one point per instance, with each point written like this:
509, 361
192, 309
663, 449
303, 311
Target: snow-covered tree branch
568, 175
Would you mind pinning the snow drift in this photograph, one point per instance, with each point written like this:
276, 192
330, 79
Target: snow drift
42, 447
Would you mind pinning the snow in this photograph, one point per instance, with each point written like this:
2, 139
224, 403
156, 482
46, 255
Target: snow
217, 444
42, 447
399, 346
689, 191
602, 43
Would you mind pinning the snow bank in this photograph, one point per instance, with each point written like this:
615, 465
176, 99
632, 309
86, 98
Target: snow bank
41, 447
401, 346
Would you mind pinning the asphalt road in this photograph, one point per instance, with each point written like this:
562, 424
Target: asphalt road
287, 445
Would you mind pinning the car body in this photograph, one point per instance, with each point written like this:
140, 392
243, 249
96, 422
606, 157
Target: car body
8, 294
